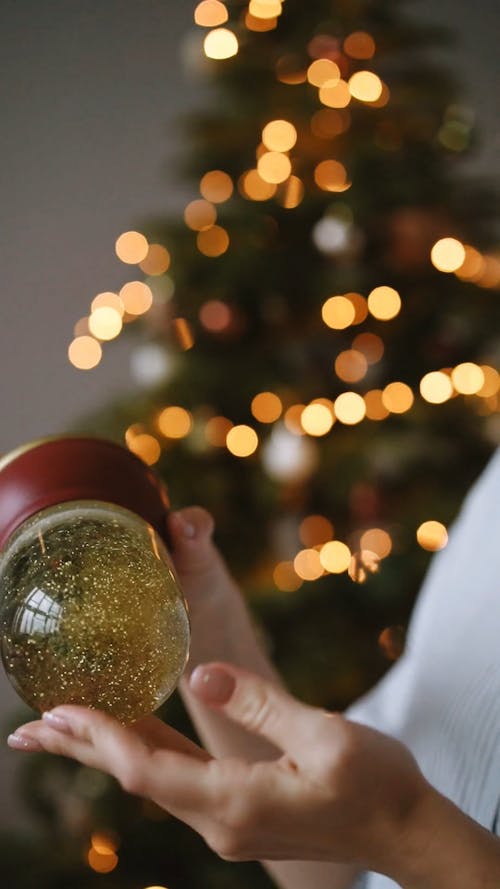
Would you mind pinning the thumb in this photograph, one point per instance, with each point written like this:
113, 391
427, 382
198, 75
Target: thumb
258, 705
190, 540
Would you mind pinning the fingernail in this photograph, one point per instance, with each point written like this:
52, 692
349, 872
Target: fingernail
23, 742
187, 528
57, 722
212, 684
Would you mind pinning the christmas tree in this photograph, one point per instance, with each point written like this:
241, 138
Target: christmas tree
317, 355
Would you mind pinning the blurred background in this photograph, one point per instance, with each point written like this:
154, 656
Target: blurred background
107, 128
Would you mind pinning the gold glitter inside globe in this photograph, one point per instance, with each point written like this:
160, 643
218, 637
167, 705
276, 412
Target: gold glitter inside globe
91, 611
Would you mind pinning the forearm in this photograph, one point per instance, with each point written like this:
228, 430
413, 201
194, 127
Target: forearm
445, 849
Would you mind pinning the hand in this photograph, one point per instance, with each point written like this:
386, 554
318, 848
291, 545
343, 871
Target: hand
337, 792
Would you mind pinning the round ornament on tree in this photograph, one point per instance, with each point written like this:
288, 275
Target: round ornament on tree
91, 611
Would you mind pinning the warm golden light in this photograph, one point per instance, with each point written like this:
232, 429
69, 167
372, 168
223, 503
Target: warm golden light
351, 366
436, 387
467, 378
360, 307
338, 312
279, 135
213, 242
331, 175
330, 122
109, 299
266, 407
216, 431
105, 323
81, 327
290, 70
491, 383
104, 843
375, 408
175, 422
291, 193
157, 261
285, 578
253, 187
216, 186
307, 564
362, 564
377, 541
137, 297
200, 215
242, 440
215, 315
432, 536
370, 345
220, 44
102, 864
335, 557
183, 333
350, 408
315, 530
322, 70
335, 94
274, 167
131, 247
253, 23
473, 265
145, 446
384, 303
292, 419
359, 45
365, 86
210, 13
316, 419
84, 352
265, 9
447, 255
397, 398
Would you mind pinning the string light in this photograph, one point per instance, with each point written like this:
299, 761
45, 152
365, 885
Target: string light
242, 441
350, 408
432, 536
291, 193
274, 167
253, 23
307, 564
377, 541
157, 261
351, 366
392, 642
315, 530
467, 378
221, 43
131, 247
375, 408
360, 307
210, 13
102, 864
359, 45
266, 407
365, 86
265, 9
213, 241
215, 315
279, 135
216, 186
292, 419
285, 577
81, 327
323, 71
369, 344
331, 175
362, 564
137, 297
84, 352
397, 398
216, 431
290, 70
145, 446
491, 383
183, 333
436, 387
335, 94
110, 300
335, 557
316, 419
330, 122
448, 254
338, 312
105, 323
175, 422
253, 187
200, 215
384, 303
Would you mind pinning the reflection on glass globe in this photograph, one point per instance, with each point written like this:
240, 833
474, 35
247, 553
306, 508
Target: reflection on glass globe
91, 612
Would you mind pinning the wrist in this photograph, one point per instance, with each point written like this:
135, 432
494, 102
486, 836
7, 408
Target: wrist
442, 848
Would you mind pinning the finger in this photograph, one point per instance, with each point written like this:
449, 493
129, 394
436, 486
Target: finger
158, 735
190, 531
259, 706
